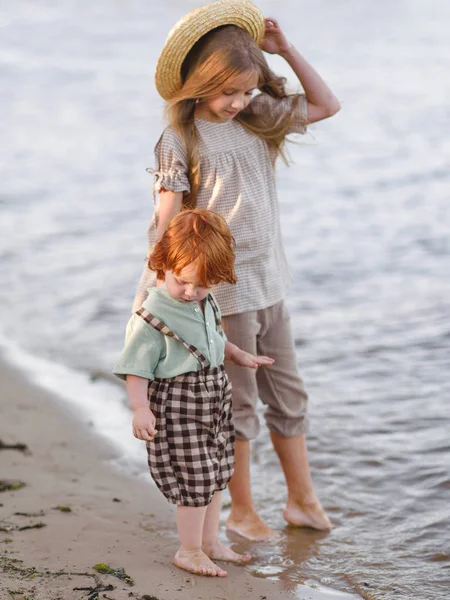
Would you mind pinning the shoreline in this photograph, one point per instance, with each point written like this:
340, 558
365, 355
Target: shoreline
76, 511
115, 519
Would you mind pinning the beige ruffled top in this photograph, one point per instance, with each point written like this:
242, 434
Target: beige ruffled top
237, 180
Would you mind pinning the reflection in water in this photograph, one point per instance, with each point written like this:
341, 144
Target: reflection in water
288, 555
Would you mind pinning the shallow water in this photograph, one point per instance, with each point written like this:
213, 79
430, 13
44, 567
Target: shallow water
366, 222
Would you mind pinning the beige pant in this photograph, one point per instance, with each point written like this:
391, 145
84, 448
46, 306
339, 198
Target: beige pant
280, 387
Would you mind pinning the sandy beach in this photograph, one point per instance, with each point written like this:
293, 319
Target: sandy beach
113, 519
75, 511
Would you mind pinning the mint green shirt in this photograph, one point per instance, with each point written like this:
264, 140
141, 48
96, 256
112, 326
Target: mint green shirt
150, 354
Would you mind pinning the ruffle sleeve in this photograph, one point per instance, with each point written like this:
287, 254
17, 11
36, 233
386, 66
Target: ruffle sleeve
262, 103
171, 163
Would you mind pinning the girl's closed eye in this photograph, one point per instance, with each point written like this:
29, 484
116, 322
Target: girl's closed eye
230, 93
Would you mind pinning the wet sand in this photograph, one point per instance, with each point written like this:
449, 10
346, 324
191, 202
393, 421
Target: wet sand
113, 519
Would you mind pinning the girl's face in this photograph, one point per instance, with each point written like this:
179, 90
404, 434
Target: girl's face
184, 286
230, 101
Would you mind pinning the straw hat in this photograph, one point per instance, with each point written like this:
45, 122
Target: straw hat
195, 25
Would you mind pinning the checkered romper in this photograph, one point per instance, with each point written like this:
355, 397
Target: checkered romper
192, 455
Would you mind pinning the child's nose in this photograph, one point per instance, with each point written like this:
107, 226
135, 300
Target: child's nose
238, 103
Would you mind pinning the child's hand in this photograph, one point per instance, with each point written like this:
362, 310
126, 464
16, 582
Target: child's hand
144, 424
274, 41
245, 359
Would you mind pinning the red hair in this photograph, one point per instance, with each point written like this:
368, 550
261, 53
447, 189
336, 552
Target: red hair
196, 236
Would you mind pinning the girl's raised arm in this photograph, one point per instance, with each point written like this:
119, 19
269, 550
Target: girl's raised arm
322, 103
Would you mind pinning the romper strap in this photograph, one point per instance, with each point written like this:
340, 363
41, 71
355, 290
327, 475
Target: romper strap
162, 328
216, 314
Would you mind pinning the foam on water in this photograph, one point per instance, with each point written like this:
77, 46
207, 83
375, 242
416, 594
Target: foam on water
96, 402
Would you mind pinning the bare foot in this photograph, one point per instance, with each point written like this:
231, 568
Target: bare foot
218, 551
196, 561
251, 527
308, 514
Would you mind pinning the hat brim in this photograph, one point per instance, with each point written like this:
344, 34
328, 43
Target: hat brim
195, 25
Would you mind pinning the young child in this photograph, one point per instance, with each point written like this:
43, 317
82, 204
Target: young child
219, 152
177, 386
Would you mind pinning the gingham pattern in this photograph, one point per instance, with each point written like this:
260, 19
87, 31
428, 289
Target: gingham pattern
192, 455
237, 181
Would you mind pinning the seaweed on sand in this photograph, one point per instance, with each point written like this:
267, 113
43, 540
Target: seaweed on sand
119, 573
19, 446
93, 592
11, 485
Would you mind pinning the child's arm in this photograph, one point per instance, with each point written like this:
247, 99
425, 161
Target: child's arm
143, 418
322, 103
245, 359
171, 178
169, 206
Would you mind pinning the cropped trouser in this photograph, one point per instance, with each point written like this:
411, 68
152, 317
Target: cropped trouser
267, 332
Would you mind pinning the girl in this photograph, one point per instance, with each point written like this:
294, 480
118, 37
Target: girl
219, 152
177, 386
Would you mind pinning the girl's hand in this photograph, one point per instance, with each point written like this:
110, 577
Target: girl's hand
144, 424
245, 359
274, 41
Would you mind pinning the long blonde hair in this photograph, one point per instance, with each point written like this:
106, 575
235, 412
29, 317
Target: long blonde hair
216, 60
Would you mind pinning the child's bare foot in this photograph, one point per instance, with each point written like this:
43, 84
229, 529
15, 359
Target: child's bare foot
218, 551
307, 514
250, 526
196, 561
